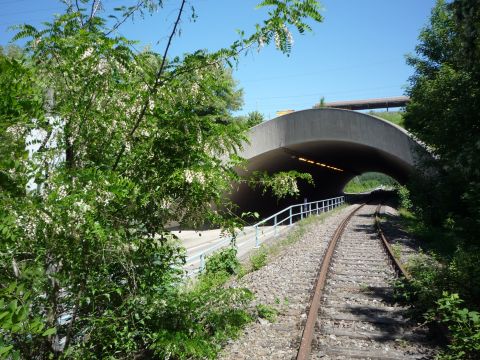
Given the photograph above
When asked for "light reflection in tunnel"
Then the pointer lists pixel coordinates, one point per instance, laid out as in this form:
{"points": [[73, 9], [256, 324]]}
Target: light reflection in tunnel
{"points": [[319, 164]]}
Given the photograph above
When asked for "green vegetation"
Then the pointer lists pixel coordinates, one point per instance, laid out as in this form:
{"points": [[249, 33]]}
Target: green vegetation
{"points": [[203, 315], [253, 118], [223, 261], [445, 193], [126, 142], [445, 268], [464, 327], [443, 113], [369, 181], [395, 117], [267, 312], [259, 258]]}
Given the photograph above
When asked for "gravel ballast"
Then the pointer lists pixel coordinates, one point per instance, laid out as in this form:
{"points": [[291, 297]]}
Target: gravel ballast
{"points": [[284, 284]]}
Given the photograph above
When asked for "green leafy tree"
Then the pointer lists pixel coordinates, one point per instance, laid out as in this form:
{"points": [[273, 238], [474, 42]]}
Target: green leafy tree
{"points": [[254, 118], [443, 113], [122, 143]]}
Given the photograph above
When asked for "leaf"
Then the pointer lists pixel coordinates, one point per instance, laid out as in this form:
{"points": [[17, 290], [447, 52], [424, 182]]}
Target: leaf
{"points": [[5, 349], [49, 332]]}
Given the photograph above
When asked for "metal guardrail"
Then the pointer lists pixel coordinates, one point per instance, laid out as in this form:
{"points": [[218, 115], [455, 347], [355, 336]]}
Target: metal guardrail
{"points": [[284, 217]]}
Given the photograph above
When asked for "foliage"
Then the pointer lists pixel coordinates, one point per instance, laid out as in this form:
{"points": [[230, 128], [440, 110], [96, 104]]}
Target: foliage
{"points": [[281, 184], [11, 51], [259, 258], [447, 266], [404, 197], [433, 273], [201, 318], [121, 144], [368, 181], [15, 305], [463, 325], [223, 261], [443, 113], [252, 119], [267, 312], [395, 117]]}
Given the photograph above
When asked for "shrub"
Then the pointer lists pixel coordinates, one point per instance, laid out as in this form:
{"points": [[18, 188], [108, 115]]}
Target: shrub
{"points": [[259, 259], [404, 197], [201, 318], [224, 261], [463, 326]]}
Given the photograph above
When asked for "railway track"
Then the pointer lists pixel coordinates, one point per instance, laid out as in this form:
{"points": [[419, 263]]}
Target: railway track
{"points": [[352, 313]]}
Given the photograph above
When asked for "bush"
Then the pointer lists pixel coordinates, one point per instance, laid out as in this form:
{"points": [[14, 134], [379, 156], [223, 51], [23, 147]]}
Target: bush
{"points": [[404, 197], [200, 319], [223, 261], [463, 326]]}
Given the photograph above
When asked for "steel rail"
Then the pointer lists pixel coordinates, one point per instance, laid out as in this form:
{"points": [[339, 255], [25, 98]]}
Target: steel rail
{"points": [[399, 269], [307, 335]]}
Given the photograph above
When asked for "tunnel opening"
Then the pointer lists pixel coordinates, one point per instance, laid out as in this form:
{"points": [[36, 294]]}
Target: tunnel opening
{"points": [[332, 164], [370, 181], [333, 145]]}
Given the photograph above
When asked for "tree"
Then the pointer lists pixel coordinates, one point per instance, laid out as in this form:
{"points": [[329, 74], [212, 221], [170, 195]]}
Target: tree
{"points": [[253, 118], [126, 143], [443, 112]]}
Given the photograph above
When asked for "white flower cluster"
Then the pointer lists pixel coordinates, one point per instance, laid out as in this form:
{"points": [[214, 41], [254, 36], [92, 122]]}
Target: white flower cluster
{"points": [[191, 176], [286, 33]]}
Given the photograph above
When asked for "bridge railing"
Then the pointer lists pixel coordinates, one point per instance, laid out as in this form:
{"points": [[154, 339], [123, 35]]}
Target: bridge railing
{"points": [[264, 229]]}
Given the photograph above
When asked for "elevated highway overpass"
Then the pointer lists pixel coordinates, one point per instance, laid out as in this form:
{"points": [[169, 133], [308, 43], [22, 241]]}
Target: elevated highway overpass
{"points": [[333, 145]]}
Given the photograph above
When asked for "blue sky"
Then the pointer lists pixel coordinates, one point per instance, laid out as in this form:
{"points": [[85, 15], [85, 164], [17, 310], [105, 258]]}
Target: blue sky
{"points": [[358, 51]]}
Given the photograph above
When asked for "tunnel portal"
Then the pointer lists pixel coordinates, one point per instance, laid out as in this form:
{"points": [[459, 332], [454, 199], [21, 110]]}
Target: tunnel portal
{"points": [[333, 145]]}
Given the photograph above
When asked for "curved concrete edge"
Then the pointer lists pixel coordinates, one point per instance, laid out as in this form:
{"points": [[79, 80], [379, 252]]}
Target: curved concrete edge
{"points": [[331, 125]]}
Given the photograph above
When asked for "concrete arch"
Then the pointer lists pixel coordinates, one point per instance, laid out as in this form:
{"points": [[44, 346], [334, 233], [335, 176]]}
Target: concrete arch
{"points": [[352, 141]]}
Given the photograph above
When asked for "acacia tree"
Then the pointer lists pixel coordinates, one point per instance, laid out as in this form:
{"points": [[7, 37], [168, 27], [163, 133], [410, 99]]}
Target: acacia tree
{"points": [[125, 142]]}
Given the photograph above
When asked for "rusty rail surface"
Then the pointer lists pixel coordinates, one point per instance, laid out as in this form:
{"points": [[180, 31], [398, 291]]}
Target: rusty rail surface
{"points": [[307, 335]]}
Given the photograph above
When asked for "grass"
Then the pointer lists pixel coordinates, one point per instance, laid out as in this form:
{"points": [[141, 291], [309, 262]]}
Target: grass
{"points": [[438, 241], [395, 117], [397, 251]]}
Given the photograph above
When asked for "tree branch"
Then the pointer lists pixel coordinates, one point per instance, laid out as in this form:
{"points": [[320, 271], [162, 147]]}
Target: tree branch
{"points": [[94, 9], [126, 17], [155, 86]]}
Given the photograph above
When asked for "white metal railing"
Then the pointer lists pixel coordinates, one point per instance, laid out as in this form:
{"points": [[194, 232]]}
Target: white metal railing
{"points": [[285, 217]]}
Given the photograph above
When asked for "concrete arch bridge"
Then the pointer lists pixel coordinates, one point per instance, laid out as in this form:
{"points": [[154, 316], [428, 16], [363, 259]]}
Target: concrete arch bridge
{"points": [[333, 145]]}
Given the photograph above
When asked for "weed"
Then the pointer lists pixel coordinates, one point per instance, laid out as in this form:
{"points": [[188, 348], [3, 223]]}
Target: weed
{"points": [[401, 343], [267, 312], [259, 258], [364, 287], [397, 251]]}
